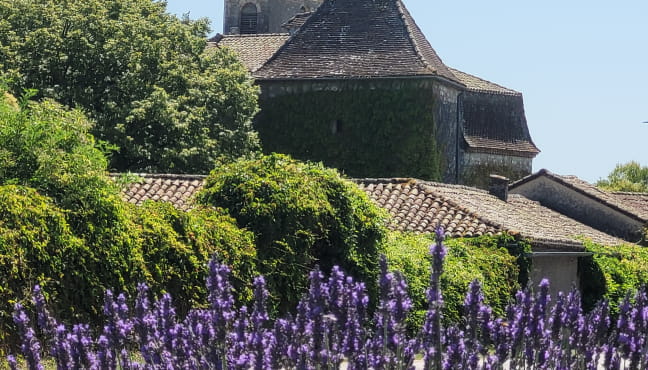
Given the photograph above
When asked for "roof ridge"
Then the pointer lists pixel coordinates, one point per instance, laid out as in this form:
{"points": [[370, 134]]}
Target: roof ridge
{"points": [[564, 180], [409, 23], [401, 10], [171, 176], [256, 35]]}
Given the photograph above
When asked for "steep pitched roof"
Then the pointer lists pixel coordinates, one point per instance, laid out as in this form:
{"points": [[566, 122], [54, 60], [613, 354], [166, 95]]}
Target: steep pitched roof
{"points": [[356, 39], [496, 123], [463, 211], [634, 205], [297, 21], [252, 50]]}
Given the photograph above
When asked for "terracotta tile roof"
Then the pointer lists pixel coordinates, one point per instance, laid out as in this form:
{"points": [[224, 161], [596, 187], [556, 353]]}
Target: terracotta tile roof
{"points": [[526, 217], [474, 83], [253, 50], [356, 39], [420, 206], [415, 208], [175, 189], [634, 205], [297, 21]]}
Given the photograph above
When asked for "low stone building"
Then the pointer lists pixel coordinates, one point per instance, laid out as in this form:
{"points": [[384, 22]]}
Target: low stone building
{"points": [[420, 206], [358, 87], [622, 214]]}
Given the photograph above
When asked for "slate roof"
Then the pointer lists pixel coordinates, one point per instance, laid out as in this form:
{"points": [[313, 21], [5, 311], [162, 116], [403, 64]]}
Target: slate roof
{"points": [[521, 147], [634, 205], [175, 189], [420, 206], [464, 211], [356, 39], [253, 50], [496, 123], [297, 21], [476, 84]]}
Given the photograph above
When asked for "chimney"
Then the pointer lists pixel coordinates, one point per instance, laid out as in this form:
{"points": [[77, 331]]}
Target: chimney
{"points": [[498, 187]]}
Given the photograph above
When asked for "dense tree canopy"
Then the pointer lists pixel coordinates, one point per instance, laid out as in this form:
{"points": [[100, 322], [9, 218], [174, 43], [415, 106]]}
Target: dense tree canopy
{"points": [[626, 177], [143, 75]]}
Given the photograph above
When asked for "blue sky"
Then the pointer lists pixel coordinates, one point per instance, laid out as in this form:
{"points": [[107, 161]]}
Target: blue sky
{"points": [[581, 65]]}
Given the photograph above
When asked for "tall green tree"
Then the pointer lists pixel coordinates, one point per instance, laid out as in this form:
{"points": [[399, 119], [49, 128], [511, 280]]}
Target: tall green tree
{"points": [[146, 77], [630, 176]]}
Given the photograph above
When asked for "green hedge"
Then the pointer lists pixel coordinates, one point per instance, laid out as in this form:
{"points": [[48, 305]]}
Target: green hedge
{"points": [[177, 246], [37, 246], [302, 215], [612, 272], [483, 258]]}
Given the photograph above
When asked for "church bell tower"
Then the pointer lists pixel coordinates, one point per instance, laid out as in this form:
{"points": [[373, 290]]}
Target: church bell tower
{"points": [[262, 16]]}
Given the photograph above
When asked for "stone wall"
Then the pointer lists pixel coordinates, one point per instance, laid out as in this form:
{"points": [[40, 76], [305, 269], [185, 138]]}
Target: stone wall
{"points": [[364, 127], [271, 14], [476, 167], [448, 133], [562, 272], [581, 208]]}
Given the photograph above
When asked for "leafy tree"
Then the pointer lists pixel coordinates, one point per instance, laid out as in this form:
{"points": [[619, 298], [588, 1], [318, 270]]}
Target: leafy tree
{"points": [[302, 214], [145, 77], [626, 177]]}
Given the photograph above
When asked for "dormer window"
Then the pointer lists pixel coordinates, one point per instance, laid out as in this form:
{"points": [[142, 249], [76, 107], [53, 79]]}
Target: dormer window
{"points": [[249, 19]]}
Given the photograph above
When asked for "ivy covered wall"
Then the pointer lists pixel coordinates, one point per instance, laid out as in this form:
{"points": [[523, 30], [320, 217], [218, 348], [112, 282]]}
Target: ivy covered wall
{"points": [[365, 128]]}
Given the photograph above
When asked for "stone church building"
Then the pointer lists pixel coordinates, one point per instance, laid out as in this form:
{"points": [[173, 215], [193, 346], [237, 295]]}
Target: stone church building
{"points": [[355, 84]]}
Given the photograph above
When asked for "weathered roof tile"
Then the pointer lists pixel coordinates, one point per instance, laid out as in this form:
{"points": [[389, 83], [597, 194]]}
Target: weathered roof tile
{"points": [[421, 206], [356, 39], [252, 50]]}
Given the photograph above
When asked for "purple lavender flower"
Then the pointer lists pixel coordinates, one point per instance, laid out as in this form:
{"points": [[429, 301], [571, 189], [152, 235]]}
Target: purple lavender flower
{"points": [[11, 360], [455, 350], [81, 343], [30, 345], [431, 335], [45, 321], [261, 338]]}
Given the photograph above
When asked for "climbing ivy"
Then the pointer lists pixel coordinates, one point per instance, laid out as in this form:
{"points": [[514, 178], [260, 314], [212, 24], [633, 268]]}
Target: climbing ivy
{"points": [[356, 129]]}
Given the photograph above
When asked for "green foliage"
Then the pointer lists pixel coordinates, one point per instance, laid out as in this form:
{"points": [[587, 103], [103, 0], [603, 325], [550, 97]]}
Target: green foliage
{"points": [[177, 245], [357, 129], [64, 225], [143, 75], [481, 258], [626, 177], [612, 272], [302, 214], [36, 247]]}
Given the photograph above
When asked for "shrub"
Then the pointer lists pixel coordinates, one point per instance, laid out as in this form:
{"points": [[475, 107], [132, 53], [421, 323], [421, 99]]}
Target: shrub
{"points": [[467, 260], [37, 246], [302, 214], [611, 272], [177, 245]]}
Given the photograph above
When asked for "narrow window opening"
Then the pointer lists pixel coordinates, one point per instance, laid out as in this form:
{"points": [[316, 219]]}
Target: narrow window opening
{"points": [[249, 19], [336, 127]]}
